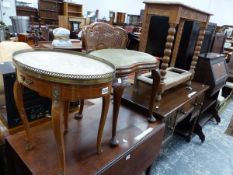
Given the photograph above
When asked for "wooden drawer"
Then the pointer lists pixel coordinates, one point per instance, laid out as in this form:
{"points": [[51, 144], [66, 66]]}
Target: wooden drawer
{"points": [[184, 111]]}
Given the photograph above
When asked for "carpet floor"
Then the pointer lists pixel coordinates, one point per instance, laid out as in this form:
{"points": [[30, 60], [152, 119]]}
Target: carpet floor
{"points": [[213, 157]]}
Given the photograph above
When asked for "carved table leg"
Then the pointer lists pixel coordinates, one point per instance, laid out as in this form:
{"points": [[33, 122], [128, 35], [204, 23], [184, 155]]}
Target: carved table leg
{"points": [[199, 132], [66, 115], [79, 115], [57, 112], [18, 95], [155, 86], [105, 106], [117, 94]]}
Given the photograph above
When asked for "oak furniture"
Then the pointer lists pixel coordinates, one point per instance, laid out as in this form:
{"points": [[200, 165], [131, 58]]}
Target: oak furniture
{"points": [[178, 104], [120, 18], [172, 17], [49, 10], [62, 77], [102, 37], [211, 70], [132, 156], [73, 10]]}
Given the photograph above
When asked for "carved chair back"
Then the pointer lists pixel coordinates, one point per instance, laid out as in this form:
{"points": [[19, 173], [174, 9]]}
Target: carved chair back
{"points": [[101, 35]]}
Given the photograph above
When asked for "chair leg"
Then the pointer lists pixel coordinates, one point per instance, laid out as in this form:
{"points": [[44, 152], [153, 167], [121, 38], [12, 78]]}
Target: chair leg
{"points": [[79, 115]]}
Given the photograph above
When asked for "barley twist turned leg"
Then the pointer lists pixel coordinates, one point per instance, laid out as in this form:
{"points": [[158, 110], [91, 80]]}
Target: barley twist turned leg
{"points": [[196, 53], [197, 50], [166, 57]]}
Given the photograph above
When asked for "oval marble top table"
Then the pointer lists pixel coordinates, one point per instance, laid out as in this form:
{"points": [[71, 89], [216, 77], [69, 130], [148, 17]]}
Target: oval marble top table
{"points": [[64, 67], [63, 77]]}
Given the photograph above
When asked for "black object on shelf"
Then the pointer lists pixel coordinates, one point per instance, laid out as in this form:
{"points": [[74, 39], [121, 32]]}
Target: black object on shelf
{"points": [[208, 38], [36, 106], [187, 45]]}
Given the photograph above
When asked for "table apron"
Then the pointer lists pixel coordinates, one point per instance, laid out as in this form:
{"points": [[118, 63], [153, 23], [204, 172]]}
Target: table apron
{"points": [[67, 92]]}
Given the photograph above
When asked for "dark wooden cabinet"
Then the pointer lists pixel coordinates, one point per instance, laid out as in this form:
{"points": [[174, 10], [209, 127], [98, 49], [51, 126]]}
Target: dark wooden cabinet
{"points": [[49, 11], [28, 11], [211, 70]]}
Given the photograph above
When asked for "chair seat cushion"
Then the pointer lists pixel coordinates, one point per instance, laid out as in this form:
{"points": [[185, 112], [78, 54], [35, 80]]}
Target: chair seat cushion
{"points": [[124, 58]]}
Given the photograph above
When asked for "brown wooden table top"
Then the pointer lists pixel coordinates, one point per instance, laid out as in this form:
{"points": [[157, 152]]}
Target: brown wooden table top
{"points": [[80, 141], [171, 101], [76, 45]]}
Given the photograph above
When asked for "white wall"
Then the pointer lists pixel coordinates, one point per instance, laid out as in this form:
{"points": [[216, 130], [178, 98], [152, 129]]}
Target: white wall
{"points": [[222, 9], [7, 9]]}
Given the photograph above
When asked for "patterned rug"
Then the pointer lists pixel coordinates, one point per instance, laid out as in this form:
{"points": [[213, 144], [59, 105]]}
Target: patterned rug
{"points": [[213, 157]]}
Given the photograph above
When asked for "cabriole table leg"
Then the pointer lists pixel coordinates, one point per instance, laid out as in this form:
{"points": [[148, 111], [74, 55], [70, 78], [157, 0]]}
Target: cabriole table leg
{"points": [[66, 115], [57, 112], [105, 105], [117, 94], [18, 95]]}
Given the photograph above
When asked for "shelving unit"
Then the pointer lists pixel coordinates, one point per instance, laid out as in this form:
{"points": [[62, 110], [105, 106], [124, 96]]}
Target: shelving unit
{"points": [[28, 11], [73, 10], [49, 11]]}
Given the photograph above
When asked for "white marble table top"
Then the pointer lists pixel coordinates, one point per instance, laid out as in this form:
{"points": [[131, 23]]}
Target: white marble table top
{"points": [[66, 65], [123, 57]]}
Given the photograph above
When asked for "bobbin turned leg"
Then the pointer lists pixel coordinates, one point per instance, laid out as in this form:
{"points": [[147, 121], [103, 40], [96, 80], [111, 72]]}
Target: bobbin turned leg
{"points": [[105, 106], [196, 53], [57, 112], [166, 57], [18, 96], [197, 48]]}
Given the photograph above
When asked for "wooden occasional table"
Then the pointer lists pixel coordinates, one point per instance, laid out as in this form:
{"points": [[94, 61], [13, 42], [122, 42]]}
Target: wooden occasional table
{"points": [[127, 62], [177, 14], [62, 77]]}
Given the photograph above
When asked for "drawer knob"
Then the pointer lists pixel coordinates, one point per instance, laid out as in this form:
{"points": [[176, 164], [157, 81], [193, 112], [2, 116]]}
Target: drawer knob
{"points": [[26, 81], [182, 112]]}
